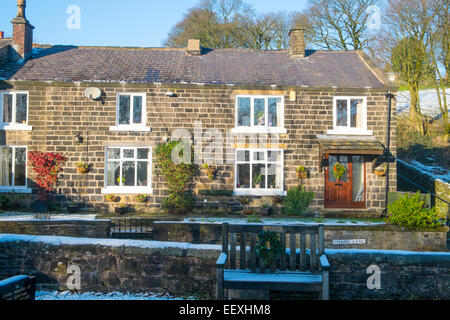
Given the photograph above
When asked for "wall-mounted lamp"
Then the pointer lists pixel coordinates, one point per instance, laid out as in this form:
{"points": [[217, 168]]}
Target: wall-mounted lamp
{"points": [[79, 138]]}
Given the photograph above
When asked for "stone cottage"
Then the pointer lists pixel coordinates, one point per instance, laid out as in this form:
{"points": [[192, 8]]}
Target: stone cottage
{"points": [[271, 111]]}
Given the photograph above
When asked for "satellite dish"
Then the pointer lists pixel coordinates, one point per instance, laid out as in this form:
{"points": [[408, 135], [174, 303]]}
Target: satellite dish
{"points": [[92, 93]]}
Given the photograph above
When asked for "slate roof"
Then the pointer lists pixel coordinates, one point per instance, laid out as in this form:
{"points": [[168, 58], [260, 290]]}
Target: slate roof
{"points": [[222, 66]]}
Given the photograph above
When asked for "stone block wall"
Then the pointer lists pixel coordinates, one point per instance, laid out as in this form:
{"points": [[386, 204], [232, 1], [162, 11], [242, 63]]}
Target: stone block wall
{"points": [[85, 229], [188, 269], [59, 111], [403, 275]]}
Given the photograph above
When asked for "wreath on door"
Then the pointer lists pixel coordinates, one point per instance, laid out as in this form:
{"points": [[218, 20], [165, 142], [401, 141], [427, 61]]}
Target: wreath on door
{"points": [[269, 246], [339, 171]]}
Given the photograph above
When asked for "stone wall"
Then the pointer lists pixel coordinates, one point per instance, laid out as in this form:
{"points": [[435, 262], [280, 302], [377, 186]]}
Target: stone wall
{"points": [[181, 269], [382, 237], [59, 111], [404, 275], [72, 228], [439, 188], [443, 191]]}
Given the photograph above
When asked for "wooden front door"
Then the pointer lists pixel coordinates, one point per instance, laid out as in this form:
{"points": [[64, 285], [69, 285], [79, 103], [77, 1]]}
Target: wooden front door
{"points": [[348, 191]]}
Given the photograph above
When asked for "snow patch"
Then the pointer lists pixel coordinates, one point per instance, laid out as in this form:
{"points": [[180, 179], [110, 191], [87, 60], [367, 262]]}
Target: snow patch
{"points": [[57, 241], [390, 252], [18, 216], [91, 296], [269, 221], [429, 103], [435, 172]]}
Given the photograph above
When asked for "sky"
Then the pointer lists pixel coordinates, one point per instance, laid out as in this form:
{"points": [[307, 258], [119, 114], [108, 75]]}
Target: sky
{"points": [[139, 23]]}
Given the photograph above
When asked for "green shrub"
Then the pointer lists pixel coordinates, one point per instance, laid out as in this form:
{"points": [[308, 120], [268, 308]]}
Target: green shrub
{"points": [[411, 213], [5, 203], [179, 202], [297, 201]]}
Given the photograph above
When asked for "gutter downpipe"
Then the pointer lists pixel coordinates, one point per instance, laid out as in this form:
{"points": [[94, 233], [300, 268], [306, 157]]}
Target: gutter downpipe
{"points": [[390, 96]]}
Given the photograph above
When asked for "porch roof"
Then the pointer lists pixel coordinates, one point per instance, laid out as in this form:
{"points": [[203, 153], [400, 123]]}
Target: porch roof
{"points": [[350, 145]]}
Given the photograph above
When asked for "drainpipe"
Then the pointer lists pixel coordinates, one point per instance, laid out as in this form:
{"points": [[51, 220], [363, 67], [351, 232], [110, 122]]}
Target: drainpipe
{"points": [[390, 96]]}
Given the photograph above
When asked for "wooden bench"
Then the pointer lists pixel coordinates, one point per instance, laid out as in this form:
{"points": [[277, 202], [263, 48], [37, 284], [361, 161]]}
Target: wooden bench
{"points": [[18, 288], [296, 270]]}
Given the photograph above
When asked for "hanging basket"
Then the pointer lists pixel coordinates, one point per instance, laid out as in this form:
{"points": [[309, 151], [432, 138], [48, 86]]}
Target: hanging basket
{"points": [[381, 171]]}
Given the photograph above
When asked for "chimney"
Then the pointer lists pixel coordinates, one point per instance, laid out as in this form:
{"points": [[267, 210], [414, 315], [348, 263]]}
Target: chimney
{"points": [[297, 43], [194, 48], [22, 32]]}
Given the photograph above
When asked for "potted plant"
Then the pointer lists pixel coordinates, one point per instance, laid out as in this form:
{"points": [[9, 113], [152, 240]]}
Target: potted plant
{"points": [[113, 198], [381, 170], [210, 171], [259, 116], [82, 167], [72, 207], [244, 201], [122, 209], [265, 210], [141, 198], [302, 172], [278, 199], [257, 181], [339, 171]]}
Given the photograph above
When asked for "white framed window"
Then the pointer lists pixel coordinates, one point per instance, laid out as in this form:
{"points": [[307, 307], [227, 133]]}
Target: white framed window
{"points": [[350, 116], [131, 112], [14, 110], [259, 114], [128, 170], [13, 170], [259, 172]]}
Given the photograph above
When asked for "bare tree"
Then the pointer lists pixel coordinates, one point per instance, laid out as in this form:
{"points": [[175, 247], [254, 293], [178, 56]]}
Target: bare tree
{"points": [[339, 24]]}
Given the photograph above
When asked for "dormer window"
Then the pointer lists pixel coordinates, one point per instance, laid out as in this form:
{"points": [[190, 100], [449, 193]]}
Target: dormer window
{"points": [[131, 112], [14, 111], [350, 116], [259, 114]]}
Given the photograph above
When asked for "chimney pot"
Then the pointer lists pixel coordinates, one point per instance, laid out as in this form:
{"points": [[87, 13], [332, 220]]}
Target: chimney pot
{"points": [[194, 48], [297, 43]]}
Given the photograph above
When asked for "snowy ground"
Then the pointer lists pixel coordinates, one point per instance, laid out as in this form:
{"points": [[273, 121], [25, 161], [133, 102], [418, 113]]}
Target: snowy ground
{"points": [[55, 295], [428, 102], [21, 216], [288, 221]]}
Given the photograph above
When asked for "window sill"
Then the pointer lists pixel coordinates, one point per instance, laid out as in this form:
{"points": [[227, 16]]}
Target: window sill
{"points": [[130, 128], [357, 132], [127, 190], [21, 190], [259, 130], [16, 127], [259, 192]]}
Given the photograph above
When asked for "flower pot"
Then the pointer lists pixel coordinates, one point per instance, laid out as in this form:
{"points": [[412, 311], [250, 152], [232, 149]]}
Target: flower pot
{"points": [[121, 210], [82, 170], [302, 175], [210, 172], [380, 173], [72, 209]]}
